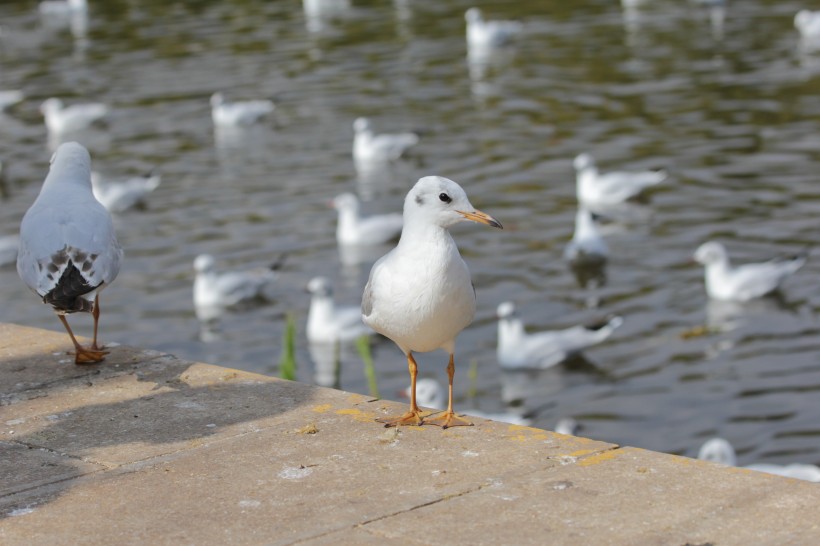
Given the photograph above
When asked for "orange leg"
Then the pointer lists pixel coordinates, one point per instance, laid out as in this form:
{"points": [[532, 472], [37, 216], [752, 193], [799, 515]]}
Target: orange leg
{"points": [[96, 314], [449, 418], [412, 417], [82, 355]]}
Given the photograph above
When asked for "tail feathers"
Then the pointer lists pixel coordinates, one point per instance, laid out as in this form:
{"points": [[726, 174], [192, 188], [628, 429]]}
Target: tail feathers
{"points": [[67, 294]]}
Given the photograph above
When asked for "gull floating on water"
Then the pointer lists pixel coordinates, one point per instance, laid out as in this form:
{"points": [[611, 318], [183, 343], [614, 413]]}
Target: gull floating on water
{"points": [[121, 196], [10, 97], [63, 7], [372, 148], [611, 188], [420, 294], [354, 229], [214, 292], [518, 349], [68, 249], [719, 450], [744, 282], [808, 24], [487, 34], [238, 113], [587, 245], [63, 119], [430, 394], [328, 322]]}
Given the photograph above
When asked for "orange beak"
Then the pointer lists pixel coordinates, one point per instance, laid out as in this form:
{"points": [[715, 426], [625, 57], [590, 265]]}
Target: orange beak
{"points": [[481, 218]]}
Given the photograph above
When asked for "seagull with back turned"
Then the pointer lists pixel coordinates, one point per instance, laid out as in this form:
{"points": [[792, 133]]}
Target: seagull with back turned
{"points": [[420, 294], [68, 249]]}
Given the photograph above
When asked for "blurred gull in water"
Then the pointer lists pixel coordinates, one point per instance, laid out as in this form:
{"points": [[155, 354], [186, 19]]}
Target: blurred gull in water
{"points": [[118, 196], [719, 450], [430, 394], [568, 426], [611, 188], [329, 323], [215, 292], [63, 7], [808, 24], [587, 246], [319, 12], [354, 229], [247, 112], [518, 349], [487, 34], [369, 147], [744, 282], [62, 119], [10, 98]]}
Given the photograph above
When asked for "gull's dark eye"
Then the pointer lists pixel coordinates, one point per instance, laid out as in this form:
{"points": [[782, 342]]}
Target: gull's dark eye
{"points": [[444, 197]]}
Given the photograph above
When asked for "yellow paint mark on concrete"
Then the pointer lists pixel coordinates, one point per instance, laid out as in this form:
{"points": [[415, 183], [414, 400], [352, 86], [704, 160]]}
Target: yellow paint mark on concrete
{"points": [[358, 415], [524, 434], [599, 458], [322, 408]]}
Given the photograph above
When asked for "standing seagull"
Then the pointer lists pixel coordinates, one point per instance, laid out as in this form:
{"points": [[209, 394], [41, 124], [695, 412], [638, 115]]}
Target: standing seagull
{"points": [[68, 249], [420, 294]]}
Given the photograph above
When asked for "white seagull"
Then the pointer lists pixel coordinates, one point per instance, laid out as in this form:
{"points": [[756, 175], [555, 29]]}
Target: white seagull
{"points": [[518, 349], [230, 114], [372, 148], [487, 34], [744, 282], [68, 249], [719, 450], [808, 24], [354, 229], [63, 7], [10, 98], [118, 196], [214, 292], [328, 322], [587, 246], [420, 294], [611, 188], [63, 119], [430, 394]]}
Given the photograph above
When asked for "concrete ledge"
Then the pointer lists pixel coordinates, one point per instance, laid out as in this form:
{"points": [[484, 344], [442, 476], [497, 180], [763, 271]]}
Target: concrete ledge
{"points": [[146, 448]]}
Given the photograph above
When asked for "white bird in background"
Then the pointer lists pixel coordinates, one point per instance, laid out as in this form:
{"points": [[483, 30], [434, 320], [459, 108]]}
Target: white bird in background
{"points": [[518, 349], [587, 245], [231, 114], [328, 322], [744, 282], [63, 7], [808, 24], [372, 148], [214, 292], [8, 249], [63, 119], [354, 229], [420, 294], [10, 98], [68, 249], [719, 450], [568, 426], [488, 34], [611, 188], [430, 394], [119, 196]]}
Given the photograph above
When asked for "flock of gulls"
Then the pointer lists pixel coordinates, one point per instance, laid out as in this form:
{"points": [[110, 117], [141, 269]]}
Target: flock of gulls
{"points": [[419, 294]]}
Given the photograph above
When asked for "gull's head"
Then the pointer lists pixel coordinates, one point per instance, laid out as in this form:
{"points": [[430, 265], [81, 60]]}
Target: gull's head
{"points": [[505, 310], [472, 15], [346, 201], [710, 253], [361, 125], [801, 18], [71, 160], [440, 201], [583, 161], [320, 286], [217, 99], [204, 263], [51, 105], [718, 450]]}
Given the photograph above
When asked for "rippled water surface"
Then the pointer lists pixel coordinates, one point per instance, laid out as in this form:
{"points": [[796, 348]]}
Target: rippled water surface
{"points": [[731, 111]]}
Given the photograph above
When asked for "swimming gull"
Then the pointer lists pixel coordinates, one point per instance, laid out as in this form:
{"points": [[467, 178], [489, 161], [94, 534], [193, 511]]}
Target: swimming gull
{"points": [[62, 119], [719, 450], [328, 322], [68, 249], [587, 245], [420, 294], [214, 291], [119, 196], [744, 282], [487, 34], [230, 114], [808, 24], [369, 147], [518, 349], [430, 394], [355, 229], [610, 188]]}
